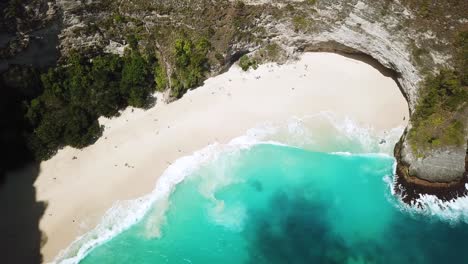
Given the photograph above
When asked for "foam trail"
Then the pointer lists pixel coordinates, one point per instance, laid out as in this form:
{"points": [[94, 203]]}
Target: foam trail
{"points": [[124, 214], [347, 133], [453, 211]]}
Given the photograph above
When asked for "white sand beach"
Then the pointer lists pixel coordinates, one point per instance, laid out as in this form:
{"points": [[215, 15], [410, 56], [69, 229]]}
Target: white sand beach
{"points": [[136, 147]]}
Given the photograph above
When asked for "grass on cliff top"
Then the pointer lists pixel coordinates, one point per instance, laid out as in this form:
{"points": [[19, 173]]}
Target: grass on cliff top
{"points": [[440, 117]]}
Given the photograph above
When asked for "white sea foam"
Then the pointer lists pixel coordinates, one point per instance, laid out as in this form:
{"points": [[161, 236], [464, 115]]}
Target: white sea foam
{"points": [[342, 153], [124, 214], [328, 133], [232, 218], [453, 211], [372, 155]]}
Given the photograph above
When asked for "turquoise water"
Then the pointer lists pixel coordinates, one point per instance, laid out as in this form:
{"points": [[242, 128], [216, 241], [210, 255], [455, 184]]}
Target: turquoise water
{"points": [[279, 204]]}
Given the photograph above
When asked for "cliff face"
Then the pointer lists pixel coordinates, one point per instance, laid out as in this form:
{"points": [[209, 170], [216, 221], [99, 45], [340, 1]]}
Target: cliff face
{"points": [[388, 36], [411, 38]]}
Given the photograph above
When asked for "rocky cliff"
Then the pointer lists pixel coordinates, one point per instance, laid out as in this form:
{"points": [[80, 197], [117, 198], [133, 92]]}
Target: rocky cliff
{"points": [[411, 39]]}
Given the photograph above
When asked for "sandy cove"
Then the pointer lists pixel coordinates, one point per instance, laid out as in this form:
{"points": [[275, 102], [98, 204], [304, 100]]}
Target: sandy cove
{"points": [[136, 147]]}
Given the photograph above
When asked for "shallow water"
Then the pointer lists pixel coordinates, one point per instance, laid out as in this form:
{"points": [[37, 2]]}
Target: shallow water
{"points": [[278, 204]]}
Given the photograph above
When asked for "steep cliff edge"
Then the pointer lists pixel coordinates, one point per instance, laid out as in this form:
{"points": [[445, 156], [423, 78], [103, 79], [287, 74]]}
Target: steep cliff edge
{"points": [[438, 170], [444, 173], [411, 39]]}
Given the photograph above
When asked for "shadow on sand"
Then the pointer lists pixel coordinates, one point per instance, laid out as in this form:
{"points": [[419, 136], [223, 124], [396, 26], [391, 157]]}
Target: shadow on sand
{"points": [[20, 239], [19, 222]]}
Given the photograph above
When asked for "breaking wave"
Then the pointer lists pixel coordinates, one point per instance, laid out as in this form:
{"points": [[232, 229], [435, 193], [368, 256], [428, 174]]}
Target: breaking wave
{"points": [[322, 132]]}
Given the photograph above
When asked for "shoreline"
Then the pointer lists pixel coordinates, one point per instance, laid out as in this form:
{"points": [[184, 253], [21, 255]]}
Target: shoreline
{"points": [[137, 147]]}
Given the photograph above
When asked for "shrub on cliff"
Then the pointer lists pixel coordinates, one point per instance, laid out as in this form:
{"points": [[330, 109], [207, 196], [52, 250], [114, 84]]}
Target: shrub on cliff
{"points": [[245, 63], [136, 83], [437, 120], [191, 64], [300, 23], [76, 93], [160, 77]]}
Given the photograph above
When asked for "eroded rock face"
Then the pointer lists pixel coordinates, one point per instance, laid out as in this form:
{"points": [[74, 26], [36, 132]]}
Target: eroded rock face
{"points": [[354, 26], [448, 187], [17, 28], [361, 29], [442, 166]]}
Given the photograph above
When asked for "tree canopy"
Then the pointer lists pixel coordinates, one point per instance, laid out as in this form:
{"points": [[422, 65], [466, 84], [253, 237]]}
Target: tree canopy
{"points": [[191, 64], [78, 92], [61, 106]]}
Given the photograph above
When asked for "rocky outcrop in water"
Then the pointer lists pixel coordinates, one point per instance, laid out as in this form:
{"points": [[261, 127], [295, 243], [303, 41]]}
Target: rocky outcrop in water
{"points": [[362, 29]]}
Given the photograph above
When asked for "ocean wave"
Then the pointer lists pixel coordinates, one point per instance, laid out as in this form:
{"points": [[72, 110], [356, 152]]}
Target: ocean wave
{"points": [[124, 214], [326, 132], [370, 155], [453, 211], [297, 133]]}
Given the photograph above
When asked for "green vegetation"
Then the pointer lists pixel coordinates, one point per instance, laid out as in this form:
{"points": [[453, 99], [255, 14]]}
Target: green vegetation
{"points": [[239, 4], [160, 77], [80, 91], [19, 84], [118, 18], [424, 8], [61, 106], [132, 41], [271, 52], [437, 120], [13, 9], [245, 63], [461, 58], [191, 65], [300, 23], [88, 87], [137, 80], [418, 54]]}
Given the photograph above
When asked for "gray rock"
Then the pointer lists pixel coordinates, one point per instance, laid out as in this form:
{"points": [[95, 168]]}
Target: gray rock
{"points": [[447, 165]]}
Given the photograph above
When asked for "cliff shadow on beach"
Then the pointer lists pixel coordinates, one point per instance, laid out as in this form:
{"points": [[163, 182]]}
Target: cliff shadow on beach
{"points": [[21, 212], [20, 239]]}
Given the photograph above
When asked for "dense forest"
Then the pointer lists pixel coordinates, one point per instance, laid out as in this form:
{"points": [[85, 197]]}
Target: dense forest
{"points": [[60, 106]]}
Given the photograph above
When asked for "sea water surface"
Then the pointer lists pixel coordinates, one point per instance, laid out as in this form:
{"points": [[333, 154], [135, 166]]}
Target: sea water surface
{"points": [[274, 203]]}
